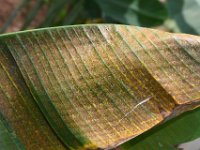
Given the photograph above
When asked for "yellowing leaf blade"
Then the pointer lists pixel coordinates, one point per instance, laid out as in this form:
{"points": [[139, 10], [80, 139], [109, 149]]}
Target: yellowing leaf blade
{"points": [[100, 85]]}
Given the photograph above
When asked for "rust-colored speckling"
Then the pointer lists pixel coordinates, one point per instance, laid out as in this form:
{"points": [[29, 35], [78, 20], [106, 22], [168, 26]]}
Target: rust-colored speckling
{"points": [[100, 85]]}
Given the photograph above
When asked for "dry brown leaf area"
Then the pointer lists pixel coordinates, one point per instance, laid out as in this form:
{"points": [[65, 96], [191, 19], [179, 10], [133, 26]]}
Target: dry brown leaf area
{"points": [[7, 8], [108, 82]]}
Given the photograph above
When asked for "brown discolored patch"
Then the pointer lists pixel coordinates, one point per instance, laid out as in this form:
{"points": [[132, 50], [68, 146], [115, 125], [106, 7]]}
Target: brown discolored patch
{"points": [[9, 6], [95, 75]]}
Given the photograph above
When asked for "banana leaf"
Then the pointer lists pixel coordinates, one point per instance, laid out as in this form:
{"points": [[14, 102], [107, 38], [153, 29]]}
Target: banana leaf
{"points": [[93, 86]]}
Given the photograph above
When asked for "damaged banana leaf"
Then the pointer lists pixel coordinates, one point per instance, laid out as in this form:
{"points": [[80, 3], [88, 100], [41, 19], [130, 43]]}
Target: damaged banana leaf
{"points": [[93, 86]]}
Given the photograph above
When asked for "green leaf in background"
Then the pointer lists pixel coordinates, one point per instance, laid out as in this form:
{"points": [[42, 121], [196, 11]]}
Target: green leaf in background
{"points": [[168, 135], [42, 13], [135, 12], [186, 14]]}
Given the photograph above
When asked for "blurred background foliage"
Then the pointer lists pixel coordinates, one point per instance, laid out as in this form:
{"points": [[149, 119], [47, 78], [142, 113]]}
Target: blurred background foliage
{"points": [[168, 15]]}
